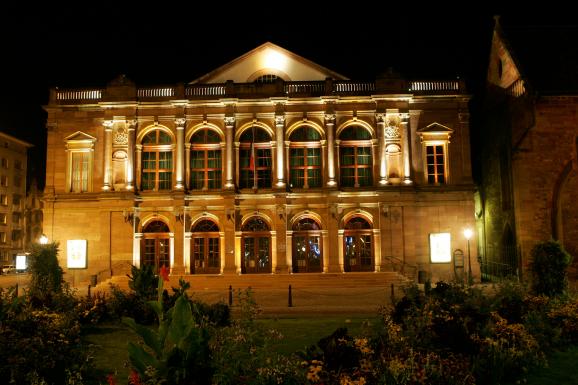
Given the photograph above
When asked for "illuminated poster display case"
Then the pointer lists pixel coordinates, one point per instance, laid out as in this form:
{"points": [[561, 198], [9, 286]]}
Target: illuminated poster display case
{"points": [[76, 254], [440, 247]]}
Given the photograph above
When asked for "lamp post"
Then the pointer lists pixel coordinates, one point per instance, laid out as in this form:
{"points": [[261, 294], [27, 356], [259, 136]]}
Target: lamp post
{"points": [[43, 239], [468, 234]]}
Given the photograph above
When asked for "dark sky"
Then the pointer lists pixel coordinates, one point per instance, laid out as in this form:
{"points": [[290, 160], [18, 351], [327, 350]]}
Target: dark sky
{"points": [[90, 43]]}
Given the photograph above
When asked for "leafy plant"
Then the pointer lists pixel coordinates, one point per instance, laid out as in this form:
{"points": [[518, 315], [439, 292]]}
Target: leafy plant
{"points": [[143, 281], [46, 275], [549, 262]]}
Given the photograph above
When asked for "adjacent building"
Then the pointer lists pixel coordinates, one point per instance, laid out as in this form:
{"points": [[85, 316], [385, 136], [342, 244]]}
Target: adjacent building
{"points": [[270, 164], [528, 146], [13, 161]]}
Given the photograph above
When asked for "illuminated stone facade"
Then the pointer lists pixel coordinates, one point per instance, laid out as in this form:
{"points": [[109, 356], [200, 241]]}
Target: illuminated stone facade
{"points": [[528, 148], [268, 164]]}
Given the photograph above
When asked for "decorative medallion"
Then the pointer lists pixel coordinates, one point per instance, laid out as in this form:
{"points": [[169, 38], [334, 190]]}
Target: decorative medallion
{"points": [[120, 136]]}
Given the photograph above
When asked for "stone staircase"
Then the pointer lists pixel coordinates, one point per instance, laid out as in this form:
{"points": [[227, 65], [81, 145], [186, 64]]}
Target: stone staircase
{"points": [[314, 293]]}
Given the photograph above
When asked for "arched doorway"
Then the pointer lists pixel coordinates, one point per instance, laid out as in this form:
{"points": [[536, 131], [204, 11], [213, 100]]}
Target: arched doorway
{"points": [[205, 256], [307, 250], [358, 245], [156, 249], [256, 247]]}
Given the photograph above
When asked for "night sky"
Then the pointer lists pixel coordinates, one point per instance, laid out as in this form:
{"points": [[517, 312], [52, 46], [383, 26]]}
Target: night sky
{"points": [[88, 44]]}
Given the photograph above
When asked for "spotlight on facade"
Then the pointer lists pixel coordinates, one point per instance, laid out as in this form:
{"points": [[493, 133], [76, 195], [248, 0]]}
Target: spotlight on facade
{"points": [[43, 239]]}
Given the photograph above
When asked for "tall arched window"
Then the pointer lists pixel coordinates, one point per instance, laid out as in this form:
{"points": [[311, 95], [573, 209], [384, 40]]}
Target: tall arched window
{"points": [[255, 159], [157, 161], [307, 250], [256, 247], [355, 159], [305, 158], [206, 162], [358, 245], [156, 249], [205, 258]]}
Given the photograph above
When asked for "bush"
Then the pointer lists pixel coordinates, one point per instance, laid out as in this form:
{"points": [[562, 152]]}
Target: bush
{"points": [[548, 265], [46, 275]]}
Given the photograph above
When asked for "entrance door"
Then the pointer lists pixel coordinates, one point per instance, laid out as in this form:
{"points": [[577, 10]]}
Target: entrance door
{"points": [[256, 247], [205, 258], [307, 256], [156, 250], [358, 245]]}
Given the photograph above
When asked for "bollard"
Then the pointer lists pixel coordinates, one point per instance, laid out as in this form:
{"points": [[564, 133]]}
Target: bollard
{"points": [[88, 291], [230, 295], [290, 299]]}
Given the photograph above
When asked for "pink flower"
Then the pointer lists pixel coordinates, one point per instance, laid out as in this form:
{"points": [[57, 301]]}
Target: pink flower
{"points": [[164, 273], [134, 378], [110, 379]]}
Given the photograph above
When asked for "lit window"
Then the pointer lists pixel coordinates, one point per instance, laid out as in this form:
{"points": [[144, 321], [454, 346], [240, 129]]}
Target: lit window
{"points": [[80, 171], [268, 78], [2, 237], [206, 166], [80, 162], [157, 161], [435, 162], [3, 199], [2, 219], [355, 157], [255, 159], [305, 158]]}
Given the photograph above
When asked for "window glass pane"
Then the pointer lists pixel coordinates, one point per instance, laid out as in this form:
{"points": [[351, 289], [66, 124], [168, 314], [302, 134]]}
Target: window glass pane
{"points": [[355, 133], [164, 138], [165, 180], [197, 180], [314, 176], [214, 179]]}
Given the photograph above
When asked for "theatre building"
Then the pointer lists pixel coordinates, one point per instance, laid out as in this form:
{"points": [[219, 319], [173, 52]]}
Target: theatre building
{"points": [[270, 164]]}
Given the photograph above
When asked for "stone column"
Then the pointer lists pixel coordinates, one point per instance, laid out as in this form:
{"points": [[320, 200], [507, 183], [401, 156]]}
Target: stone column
{"points": [[380, 119], [138, 165], [330, 130], [229, 155], [406, 148], [180, 123], [280, 144], [130, 125], [107, 169], [188, 166]]}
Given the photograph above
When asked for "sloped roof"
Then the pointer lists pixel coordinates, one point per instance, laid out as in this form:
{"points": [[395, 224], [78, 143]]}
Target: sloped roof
{"points": [[546, 56], [297, 68]]}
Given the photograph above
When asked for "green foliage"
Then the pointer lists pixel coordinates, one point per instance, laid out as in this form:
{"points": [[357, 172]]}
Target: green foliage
{"points": [[46, 275], [177, 353], [143, 282], [549, 262]]}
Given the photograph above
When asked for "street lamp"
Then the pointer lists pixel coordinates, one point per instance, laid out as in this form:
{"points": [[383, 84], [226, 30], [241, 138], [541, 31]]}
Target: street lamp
{"points": [[43, 239], [468, 234]]}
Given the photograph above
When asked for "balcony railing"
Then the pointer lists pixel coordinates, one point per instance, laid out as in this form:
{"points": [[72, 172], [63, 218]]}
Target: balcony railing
{"points": [[516, 89], [252, 90]]}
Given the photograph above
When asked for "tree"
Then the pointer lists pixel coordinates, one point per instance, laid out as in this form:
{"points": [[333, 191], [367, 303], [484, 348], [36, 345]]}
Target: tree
{"points": [[549, 263], [46, 275]]}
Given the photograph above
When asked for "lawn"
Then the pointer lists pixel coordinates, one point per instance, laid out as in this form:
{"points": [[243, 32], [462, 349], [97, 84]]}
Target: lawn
{"points": [[109, 341], [561, 369]]}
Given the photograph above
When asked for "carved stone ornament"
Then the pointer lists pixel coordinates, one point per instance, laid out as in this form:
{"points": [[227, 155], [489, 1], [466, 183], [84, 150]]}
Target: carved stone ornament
{"points": [[391, 132], [330, 118], [279, 120], [229, 120], [380, 118], [180, 122], [120, 136], [108, 123]]}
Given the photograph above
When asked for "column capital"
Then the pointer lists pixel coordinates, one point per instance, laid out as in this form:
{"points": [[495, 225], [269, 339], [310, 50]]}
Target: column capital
{"points": [[380, 117], [329, 118], [180, 122], [229, 121], [108, 124], [131, 123], [279, 120]]}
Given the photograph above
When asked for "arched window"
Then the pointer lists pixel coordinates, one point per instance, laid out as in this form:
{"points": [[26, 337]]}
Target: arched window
{"points": [[255, 159], [358, 245], [307, 250], [157, 161], [156, 248], [206, 166], [305, 158], [267, 78], [256, 247], [205, 258], [355, 159]]}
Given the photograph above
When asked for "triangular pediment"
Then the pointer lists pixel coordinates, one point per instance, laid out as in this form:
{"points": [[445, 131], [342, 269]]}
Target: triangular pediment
{"points": [[80, 136], [435, 128], [268, 59]]}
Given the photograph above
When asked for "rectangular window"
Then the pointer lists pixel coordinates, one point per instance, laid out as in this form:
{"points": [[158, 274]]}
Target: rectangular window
{"points": [[3, 199], [4, 181], [2, 237], [4, 163], [16, 198], [2, 219], [17, 181], [435, 163], [15, 219], [18, 164], [80, 172], [16, 235]]}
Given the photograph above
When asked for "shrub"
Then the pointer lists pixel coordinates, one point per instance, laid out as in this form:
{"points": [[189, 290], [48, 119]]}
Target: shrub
{"points": [[548, 265], [46, 275], [143, 282]]}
